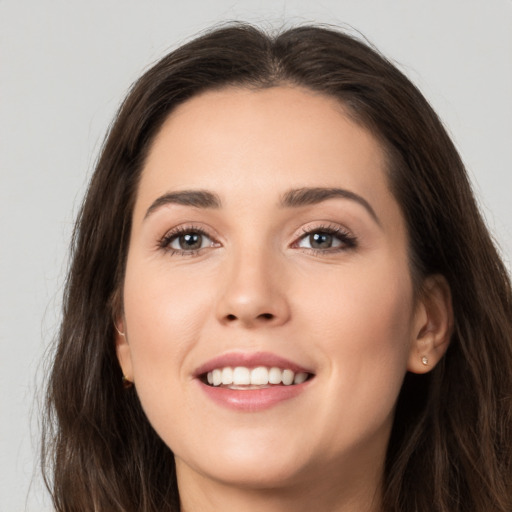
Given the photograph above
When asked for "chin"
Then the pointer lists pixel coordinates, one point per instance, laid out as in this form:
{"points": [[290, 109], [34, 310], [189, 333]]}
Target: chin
{"points": [[251, 466]]}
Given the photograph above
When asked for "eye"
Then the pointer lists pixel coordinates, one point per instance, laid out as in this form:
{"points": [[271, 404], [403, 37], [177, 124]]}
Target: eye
{"points": [[327, 239], [186, 241]]}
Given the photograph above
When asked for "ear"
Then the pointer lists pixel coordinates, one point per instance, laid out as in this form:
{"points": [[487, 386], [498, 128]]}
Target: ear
{"points": [[123, 351], [433, 324]]}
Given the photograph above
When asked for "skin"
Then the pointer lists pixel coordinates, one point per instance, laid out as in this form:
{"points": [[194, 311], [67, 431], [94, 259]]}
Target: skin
{"points": [[347, 313]]}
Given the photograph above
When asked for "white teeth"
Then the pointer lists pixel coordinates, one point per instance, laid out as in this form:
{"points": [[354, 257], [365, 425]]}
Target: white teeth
{"points": [[275, 376], [300, 378], [288, 376], [217, 377], [259, 376], [227, 375], [241, 376]]}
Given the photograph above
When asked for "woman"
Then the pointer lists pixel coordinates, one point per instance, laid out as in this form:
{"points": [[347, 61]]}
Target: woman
{"points": [[282, 296]]}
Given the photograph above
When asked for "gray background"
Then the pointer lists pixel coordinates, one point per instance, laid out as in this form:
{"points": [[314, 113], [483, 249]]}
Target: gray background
{"points": [[65, 66]]}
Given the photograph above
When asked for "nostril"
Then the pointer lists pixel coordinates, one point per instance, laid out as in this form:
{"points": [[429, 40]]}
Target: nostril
{"points": [[263, 316]]}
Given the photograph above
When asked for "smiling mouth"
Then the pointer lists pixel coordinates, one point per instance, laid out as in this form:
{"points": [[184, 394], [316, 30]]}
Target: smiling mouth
{"points": [[244, 378]]}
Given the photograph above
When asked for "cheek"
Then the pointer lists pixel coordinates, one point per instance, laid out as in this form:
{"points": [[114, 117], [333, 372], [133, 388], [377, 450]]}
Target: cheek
{"points": [[363, 331], [361, 308], [165, 314]]}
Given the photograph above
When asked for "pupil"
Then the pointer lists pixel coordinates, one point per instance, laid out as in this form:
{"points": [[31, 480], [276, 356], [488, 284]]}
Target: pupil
{"points": [[321, 240], [191, 241]]}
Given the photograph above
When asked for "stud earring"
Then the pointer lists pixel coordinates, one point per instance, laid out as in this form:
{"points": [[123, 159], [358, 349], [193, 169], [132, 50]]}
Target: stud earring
{"points": [[127, 384], [424, 360]]}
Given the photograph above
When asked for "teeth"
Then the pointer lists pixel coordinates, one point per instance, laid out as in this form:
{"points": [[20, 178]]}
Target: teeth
{"points": [[300, 378], [288, 376], [217, 377], [227, 375], [259, 376], [275, 376], [241, 376]]}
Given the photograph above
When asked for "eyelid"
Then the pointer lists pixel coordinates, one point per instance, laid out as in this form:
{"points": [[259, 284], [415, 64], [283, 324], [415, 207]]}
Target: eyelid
{"points": [[348, 239], [164, 242], [345, 236]]}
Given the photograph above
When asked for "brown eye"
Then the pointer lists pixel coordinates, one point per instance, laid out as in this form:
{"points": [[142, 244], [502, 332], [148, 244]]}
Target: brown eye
{"points": [[320, 240], [187, 241], [327, 240]]}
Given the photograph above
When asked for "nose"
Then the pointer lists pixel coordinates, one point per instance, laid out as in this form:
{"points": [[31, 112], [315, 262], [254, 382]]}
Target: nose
{"points": [[254, 292]]}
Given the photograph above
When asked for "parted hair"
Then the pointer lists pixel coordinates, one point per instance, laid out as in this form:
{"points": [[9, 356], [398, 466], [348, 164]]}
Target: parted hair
{"points": [[451, 445]]}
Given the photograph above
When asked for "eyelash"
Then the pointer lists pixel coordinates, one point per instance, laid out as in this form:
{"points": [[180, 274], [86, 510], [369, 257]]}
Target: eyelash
{"points": [[348, 241], [172, 235]]}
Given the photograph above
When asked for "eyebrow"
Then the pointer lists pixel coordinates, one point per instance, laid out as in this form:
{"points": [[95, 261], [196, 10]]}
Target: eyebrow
{"points": [[294, 198], [195, 198], [307, 196]]}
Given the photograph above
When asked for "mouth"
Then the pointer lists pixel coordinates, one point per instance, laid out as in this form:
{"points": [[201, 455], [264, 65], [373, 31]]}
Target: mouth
{"points": [[260, 377], [250, 382]]}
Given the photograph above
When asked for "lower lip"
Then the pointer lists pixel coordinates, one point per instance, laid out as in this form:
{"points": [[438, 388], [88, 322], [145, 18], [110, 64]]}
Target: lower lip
{"points": [[251, 400]]}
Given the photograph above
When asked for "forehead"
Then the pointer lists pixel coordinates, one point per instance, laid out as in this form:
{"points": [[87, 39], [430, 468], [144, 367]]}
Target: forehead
{"points": [[270, 140]]}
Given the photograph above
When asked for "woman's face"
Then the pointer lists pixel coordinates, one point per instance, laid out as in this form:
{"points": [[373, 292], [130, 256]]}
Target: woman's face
{"points": [[265, 238]]}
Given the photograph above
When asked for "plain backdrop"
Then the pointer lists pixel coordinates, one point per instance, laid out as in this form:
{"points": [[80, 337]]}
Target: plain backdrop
{"points": [[64, 68]]}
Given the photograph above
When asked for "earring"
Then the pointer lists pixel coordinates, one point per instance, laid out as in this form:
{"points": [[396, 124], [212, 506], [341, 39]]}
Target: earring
{"points": [[424, 360], [118, 331], [127, 384]]}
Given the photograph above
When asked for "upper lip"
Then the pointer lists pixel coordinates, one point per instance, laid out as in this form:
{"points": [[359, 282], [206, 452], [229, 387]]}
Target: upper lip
{"points": [[249, 360]]}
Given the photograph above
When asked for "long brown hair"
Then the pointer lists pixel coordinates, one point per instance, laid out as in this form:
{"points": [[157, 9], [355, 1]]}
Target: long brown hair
{"points": [[451, 444]]}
